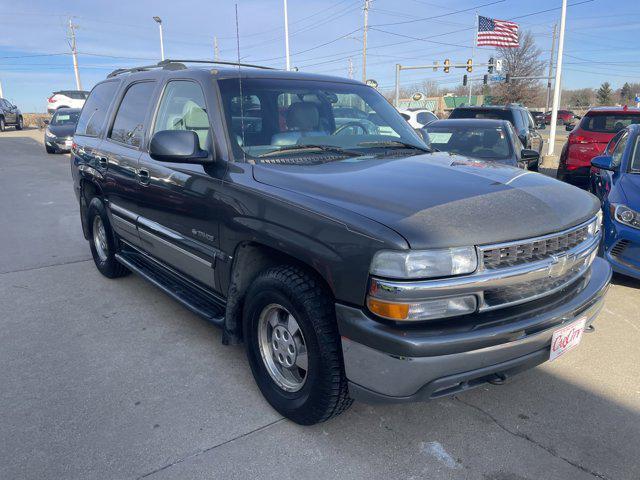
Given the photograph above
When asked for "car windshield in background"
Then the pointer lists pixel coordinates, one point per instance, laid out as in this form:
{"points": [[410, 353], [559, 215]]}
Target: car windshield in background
{"points": [[489, 113], [486, 143], [608, 123], [63, 118], [280, 115]]}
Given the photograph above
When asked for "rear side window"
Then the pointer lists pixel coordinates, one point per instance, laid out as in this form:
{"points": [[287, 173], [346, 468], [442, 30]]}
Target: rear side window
{"points": [[128, 126], [608, 123], [95, 110], [619, 150]]}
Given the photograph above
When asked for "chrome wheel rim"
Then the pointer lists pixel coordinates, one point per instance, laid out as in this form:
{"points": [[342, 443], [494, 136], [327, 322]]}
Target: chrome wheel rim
{"points": [[100, 238], [282, 347]]}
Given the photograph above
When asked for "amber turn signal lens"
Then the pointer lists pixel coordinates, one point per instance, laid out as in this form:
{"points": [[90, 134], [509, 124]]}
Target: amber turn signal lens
{"points": [[394, 311]]}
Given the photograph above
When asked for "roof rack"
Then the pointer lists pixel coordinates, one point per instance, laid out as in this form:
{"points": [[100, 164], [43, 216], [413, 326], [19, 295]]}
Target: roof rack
{"points": [[180, 65]]}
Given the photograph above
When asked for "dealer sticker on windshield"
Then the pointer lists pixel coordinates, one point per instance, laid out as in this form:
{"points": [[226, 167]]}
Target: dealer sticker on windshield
{"points": [[566, 338]]}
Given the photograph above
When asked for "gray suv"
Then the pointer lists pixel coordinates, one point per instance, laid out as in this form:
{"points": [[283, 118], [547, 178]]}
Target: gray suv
{"points": [[350, 260], [10, 115]]}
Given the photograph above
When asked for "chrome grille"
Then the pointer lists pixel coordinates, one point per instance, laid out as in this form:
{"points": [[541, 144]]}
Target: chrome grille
{"points": [[527, 251]]}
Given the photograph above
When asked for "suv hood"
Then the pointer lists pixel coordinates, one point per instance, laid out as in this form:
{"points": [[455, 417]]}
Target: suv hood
{"points": [[440, 200]]}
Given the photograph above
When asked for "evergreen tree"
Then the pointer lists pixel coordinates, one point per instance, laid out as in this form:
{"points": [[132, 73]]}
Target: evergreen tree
{"points": [[604, 94]]}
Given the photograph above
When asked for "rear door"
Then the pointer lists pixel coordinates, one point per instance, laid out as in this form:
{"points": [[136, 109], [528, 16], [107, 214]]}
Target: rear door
{"points": [[9, 112], [120, 153], [180, 206]]}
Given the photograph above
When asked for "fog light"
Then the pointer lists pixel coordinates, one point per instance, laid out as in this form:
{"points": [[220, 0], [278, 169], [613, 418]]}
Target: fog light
{"points": [[423, 310]]}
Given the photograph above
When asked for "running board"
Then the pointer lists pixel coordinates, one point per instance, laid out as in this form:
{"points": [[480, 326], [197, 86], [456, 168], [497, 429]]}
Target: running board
{"points": [[191, 296]]}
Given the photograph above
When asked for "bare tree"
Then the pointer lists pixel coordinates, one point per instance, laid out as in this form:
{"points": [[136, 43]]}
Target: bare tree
{"points": [[523, 61]]}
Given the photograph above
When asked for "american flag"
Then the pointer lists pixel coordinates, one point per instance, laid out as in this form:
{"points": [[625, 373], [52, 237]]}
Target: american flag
{"points": [[497, 33]]}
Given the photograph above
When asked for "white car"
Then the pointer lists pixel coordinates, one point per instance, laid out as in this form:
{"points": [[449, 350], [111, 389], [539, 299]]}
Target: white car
{"points": [[418, 117], [66, 99]]}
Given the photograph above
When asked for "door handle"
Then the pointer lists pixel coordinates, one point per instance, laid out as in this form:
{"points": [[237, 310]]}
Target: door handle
{"points": [[143, 176], [103, 162]]}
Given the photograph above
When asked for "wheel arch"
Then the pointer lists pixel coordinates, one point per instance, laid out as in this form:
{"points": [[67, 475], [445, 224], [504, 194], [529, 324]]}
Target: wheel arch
{"points": [[249, 259], [88, 190]]}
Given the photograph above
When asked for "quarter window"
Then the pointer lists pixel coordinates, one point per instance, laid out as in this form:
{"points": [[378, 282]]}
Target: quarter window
{"points": [[128, 126], [94, 113], [183, 108], [619, 150]]}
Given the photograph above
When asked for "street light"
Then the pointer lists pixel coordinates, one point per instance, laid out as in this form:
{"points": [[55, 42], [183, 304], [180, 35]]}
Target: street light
{"points": [[159, 22]]}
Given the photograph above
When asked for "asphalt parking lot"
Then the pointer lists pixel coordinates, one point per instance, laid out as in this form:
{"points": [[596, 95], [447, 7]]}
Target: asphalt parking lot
{"points": [[111, 379]]}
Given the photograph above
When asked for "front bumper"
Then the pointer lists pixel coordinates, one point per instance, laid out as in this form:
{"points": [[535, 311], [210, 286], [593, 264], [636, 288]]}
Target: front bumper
{"points": [[389, 364], [58, 143], [622, 248]]}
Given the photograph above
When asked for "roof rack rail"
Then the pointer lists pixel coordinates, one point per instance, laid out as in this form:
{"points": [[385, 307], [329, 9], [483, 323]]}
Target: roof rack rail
{"points": [[215, 62], [180, 65]]}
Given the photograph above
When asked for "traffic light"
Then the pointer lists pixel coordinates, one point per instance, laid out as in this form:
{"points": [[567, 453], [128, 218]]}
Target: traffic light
{"points": [[470, 65], [464, 80], [447, 62], [507, 78], [491, 65], [485, 79]]}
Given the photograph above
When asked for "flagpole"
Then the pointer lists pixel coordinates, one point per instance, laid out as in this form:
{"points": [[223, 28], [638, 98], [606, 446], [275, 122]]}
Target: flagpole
{"points": [[473, 52]]}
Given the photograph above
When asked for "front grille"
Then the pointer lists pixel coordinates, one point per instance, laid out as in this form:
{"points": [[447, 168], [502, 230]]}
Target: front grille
{"points": [[513, 294], [527, 251], [619, 248]]}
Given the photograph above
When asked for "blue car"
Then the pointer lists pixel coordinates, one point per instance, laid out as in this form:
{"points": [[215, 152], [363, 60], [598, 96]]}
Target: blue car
{"points": [[615, 179]]}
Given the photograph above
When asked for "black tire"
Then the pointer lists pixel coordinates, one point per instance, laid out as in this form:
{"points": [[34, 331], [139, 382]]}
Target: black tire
{"points": [[49, 149], [20, 124], [2, 124], [324, 393], [535, 167], [106, 262]]}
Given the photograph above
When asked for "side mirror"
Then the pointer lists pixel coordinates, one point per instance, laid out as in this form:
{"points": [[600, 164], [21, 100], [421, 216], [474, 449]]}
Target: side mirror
{"points": [[528, 154], [46, 121], [604, 162], [177, 146]]}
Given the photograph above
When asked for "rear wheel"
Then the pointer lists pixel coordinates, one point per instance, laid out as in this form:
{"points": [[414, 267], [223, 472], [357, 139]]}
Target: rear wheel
{"points": [[293, 345], [103, 242], [2, 124]]}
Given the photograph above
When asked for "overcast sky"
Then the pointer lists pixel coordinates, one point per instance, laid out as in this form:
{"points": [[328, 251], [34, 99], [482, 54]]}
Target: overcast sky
{"points": [[324, 34]]}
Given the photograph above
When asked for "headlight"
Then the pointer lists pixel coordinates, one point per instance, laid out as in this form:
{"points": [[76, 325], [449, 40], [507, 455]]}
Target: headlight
{"points": [[48, 134], [595, 226], [626, 216], [442, 262]]}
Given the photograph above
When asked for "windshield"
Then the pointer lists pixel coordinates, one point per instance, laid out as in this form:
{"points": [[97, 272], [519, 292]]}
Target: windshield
{"points": [[274, 115], [488, 143], [65, 118]]}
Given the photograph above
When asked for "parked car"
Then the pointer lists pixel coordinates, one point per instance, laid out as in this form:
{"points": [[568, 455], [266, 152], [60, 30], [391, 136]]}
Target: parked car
{"points": [[66, 99], [10, 115], [589, 139], [565, 117], [538, 118], [615, 179], [58, 136], [351, 265], [418, 117], [489, 140], [519, 117]]}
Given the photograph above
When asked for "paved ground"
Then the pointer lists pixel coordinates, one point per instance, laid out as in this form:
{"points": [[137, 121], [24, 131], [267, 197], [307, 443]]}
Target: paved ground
{"points": [[104, 379]]}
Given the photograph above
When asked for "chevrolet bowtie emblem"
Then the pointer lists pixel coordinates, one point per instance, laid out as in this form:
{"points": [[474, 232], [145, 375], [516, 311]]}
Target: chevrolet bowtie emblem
{"points": [[559, 266]]}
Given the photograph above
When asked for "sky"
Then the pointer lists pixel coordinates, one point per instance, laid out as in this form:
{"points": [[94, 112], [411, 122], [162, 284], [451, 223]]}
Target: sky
{"points": [[601, 36]]}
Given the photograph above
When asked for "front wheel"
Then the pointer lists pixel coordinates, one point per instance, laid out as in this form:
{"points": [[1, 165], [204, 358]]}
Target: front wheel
{"points": [[20, 124], [293, 345]]}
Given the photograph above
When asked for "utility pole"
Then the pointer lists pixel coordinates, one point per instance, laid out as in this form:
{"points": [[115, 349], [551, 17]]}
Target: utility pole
{"points": [[159, 22], [557, 84], [286, 35], [216, 50], [74, 52], [1, 94], [367, 5], [553, 51]]}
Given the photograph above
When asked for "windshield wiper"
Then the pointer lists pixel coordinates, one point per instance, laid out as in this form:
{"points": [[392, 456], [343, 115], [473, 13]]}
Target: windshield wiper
{"points": [[395, 144], [312, 148]]}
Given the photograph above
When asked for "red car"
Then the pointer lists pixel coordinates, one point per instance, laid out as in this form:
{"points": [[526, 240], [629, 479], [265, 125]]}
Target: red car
{"points": [[589, 139], [565, 117]]}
